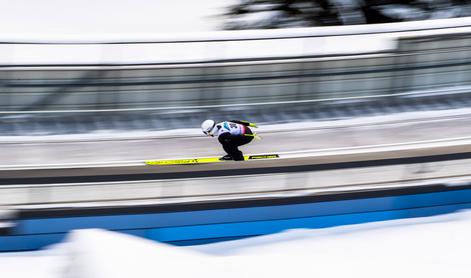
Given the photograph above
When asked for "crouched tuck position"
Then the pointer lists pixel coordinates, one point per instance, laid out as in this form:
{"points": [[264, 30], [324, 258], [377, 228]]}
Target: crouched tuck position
{"points": [[231, 134]]}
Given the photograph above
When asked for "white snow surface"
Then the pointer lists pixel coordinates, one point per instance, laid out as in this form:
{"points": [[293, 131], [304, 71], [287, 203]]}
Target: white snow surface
{"points": [[422, 247]]}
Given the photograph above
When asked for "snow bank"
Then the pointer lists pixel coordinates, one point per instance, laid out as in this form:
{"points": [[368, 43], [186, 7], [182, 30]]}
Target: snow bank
{"points": [[425, 247]]}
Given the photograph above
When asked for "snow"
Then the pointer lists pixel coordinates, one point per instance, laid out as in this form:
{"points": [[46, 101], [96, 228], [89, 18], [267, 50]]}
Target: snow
{"points": [[423, 247]]}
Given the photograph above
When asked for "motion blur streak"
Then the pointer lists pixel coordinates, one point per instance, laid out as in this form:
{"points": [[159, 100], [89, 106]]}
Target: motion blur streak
{"points": [[384, 107]]}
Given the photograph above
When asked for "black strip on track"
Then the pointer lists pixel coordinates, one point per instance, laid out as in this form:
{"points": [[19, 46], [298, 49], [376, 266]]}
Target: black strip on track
{"points": [[235, 172]]}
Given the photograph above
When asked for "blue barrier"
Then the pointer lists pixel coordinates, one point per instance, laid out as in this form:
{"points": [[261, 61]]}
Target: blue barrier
{"points": [[210, 225]]}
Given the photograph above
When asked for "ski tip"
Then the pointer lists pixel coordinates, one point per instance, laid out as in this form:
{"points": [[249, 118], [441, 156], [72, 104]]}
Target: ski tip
{"points": [[188, 161], [171, 162]]}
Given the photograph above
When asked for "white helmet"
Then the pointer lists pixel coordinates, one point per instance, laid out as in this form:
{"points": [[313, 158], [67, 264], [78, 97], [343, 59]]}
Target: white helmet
{"points": [[207, 126]]}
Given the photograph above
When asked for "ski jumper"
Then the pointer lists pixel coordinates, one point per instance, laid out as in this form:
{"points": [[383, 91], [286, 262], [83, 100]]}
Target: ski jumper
{"points": [[232, 134]]}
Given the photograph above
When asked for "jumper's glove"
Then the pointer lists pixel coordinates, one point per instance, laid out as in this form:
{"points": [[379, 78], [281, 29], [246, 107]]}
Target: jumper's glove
{"points": [[254, 135], [253, 125]]}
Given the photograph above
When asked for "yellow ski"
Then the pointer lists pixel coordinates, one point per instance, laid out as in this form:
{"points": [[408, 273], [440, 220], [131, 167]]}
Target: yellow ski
{"points": [[206, 160]]}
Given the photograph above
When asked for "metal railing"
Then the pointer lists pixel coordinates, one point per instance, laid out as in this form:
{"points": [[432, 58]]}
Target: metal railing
{"points": [[432, 64]]}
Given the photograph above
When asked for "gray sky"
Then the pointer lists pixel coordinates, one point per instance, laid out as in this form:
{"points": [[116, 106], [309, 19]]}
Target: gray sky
{"points": [[109, 16]]}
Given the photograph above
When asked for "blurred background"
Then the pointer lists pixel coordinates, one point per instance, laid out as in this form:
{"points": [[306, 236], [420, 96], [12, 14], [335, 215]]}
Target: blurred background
{"points": [[367, 104], [284, 14]]}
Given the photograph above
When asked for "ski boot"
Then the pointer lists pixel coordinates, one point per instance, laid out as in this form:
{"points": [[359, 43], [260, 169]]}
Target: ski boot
{"points": [[226, 157]]}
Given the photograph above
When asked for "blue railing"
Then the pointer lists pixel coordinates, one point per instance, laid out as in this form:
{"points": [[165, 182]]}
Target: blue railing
{"points": [[208, 225]]}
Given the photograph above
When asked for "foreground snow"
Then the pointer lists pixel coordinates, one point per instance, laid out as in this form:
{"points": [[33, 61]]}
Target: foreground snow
{"points": [[424, 247]]}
